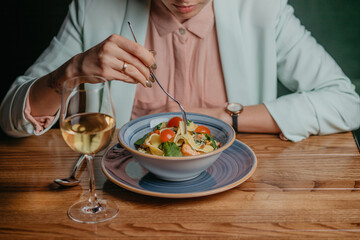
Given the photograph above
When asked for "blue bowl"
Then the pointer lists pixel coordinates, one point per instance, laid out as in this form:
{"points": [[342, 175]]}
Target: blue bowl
{"points": [[175, 168]]}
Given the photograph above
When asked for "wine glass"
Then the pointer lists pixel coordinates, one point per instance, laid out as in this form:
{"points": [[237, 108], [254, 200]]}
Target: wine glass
{"points": [[87, 123]]}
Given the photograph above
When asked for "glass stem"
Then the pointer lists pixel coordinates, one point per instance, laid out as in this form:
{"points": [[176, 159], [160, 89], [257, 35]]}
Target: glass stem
{"points": [[93, 202]]}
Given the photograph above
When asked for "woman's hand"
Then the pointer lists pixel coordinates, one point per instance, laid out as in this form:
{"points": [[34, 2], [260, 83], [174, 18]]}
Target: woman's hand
{"points": [[116, 58], [106, 59]]}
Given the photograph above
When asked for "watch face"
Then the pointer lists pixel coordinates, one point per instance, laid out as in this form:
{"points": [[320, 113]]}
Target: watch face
{"points": [[234, 107]]}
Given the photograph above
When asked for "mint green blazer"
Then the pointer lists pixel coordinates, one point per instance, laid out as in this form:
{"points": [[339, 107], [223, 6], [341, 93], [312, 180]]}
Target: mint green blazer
{"points": [[261, 43]]}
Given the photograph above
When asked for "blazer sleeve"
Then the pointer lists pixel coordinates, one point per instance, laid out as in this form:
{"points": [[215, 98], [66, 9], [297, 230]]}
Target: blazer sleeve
{"points": [[66, 44], [324, 100]]}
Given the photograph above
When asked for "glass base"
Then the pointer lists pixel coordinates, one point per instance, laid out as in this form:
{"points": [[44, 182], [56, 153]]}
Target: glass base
{"points": [[83, 212]]}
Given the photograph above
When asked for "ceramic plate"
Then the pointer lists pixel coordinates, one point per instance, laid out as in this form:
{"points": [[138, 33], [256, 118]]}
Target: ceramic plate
{"points": [[234, 166]]}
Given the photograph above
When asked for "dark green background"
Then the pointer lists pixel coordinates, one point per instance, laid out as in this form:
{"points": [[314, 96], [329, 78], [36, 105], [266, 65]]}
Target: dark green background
{"points": [[336, 26], [28, 27]]}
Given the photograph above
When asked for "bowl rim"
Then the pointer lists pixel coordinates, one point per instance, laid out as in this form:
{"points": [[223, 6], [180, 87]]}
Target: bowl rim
{"points": [[204, 155]]}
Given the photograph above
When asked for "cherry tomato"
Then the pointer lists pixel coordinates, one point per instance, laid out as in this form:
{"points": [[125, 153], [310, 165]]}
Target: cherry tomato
{"points": [[174, 122], [166, 135], [202, 129]]}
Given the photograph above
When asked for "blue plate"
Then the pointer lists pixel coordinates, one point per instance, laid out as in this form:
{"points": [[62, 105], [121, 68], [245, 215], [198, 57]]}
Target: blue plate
{"points": [[234, 166]]}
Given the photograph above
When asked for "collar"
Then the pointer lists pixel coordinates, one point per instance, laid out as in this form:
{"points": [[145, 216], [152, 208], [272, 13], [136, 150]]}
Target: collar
{"points": [[165, 22]]}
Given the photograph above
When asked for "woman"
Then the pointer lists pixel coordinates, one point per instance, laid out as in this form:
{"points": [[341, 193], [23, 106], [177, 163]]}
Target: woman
{"points": [[208, 53]]}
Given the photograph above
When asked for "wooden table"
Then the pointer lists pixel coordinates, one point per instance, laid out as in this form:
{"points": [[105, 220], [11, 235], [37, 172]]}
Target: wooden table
{"points": [[300, 190]]}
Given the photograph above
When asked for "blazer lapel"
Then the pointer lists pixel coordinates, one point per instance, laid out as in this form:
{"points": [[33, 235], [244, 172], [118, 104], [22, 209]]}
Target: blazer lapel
{"points": [[231, 49], [137, 13]]}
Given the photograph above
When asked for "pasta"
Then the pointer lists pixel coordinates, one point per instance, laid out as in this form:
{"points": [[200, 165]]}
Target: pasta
{"points": [[170, 139]]}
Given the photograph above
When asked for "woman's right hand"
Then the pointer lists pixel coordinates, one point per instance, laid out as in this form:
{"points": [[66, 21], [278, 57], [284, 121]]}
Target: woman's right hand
{"points": [[107, 60]]}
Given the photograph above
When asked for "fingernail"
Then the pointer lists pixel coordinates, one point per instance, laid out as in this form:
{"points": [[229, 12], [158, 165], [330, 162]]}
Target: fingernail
{"points": [[148, 84], [153, 66], [153, 52], [151, 79]]}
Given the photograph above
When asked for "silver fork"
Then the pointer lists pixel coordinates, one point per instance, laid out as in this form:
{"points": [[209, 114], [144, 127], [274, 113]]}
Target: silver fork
{"points": [[154, 77]]}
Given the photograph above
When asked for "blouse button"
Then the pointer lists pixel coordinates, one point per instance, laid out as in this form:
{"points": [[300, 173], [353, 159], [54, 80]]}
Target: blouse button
{"points": [[182, 31]]}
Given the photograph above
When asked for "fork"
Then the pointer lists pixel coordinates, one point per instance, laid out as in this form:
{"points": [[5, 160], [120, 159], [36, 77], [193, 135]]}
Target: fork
{"points": [[152, 74]]}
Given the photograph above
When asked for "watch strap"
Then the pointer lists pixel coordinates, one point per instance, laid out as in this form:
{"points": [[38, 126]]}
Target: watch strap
{"points": [[235, 122]]}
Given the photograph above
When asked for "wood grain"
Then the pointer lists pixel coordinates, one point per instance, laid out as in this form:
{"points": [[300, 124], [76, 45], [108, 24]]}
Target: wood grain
{"points": [[309, 189]]}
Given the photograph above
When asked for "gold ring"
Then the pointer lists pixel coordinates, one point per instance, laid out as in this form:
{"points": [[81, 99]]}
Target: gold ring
{"points": [[124, 67]]}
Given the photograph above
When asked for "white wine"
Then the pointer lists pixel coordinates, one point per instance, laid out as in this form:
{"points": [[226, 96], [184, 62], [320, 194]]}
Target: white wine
{"points": [[88, 133]]}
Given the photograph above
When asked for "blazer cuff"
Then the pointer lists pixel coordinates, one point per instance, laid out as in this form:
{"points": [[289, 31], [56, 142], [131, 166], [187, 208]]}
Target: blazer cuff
{"points": [[295, 116], [17, 125]]}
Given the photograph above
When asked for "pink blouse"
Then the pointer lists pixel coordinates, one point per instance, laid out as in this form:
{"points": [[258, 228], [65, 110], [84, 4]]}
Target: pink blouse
{"points": [[188, 62]]}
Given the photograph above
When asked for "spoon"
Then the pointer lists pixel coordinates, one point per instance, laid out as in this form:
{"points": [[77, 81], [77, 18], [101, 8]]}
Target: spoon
{"points": [[154, 77], [72, 180]]}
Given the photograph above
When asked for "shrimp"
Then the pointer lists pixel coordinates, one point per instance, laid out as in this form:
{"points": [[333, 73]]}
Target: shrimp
{"points": [[188, 151]]}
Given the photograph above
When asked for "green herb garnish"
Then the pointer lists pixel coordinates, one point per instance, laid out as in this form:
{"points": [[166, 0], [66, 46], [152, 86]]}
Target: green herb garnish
{"points": [[171, 149], [140, 141], [210, 138], [158, 127]]}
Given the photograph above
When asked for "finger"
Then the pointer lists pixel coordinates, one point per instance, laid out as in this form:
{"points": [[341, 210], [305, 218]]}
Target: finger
{"points": [[110, 55], [111, 49], [132, 60], [112, 52], [153, 52], [116, 75], [110, 64], [154, 65], [131, 71], [134, 49]]}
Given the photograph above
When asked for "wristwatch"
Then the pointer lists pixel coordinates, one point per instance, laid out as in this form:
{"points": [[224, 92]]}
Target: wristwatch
{"points": [[234, 109]]}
